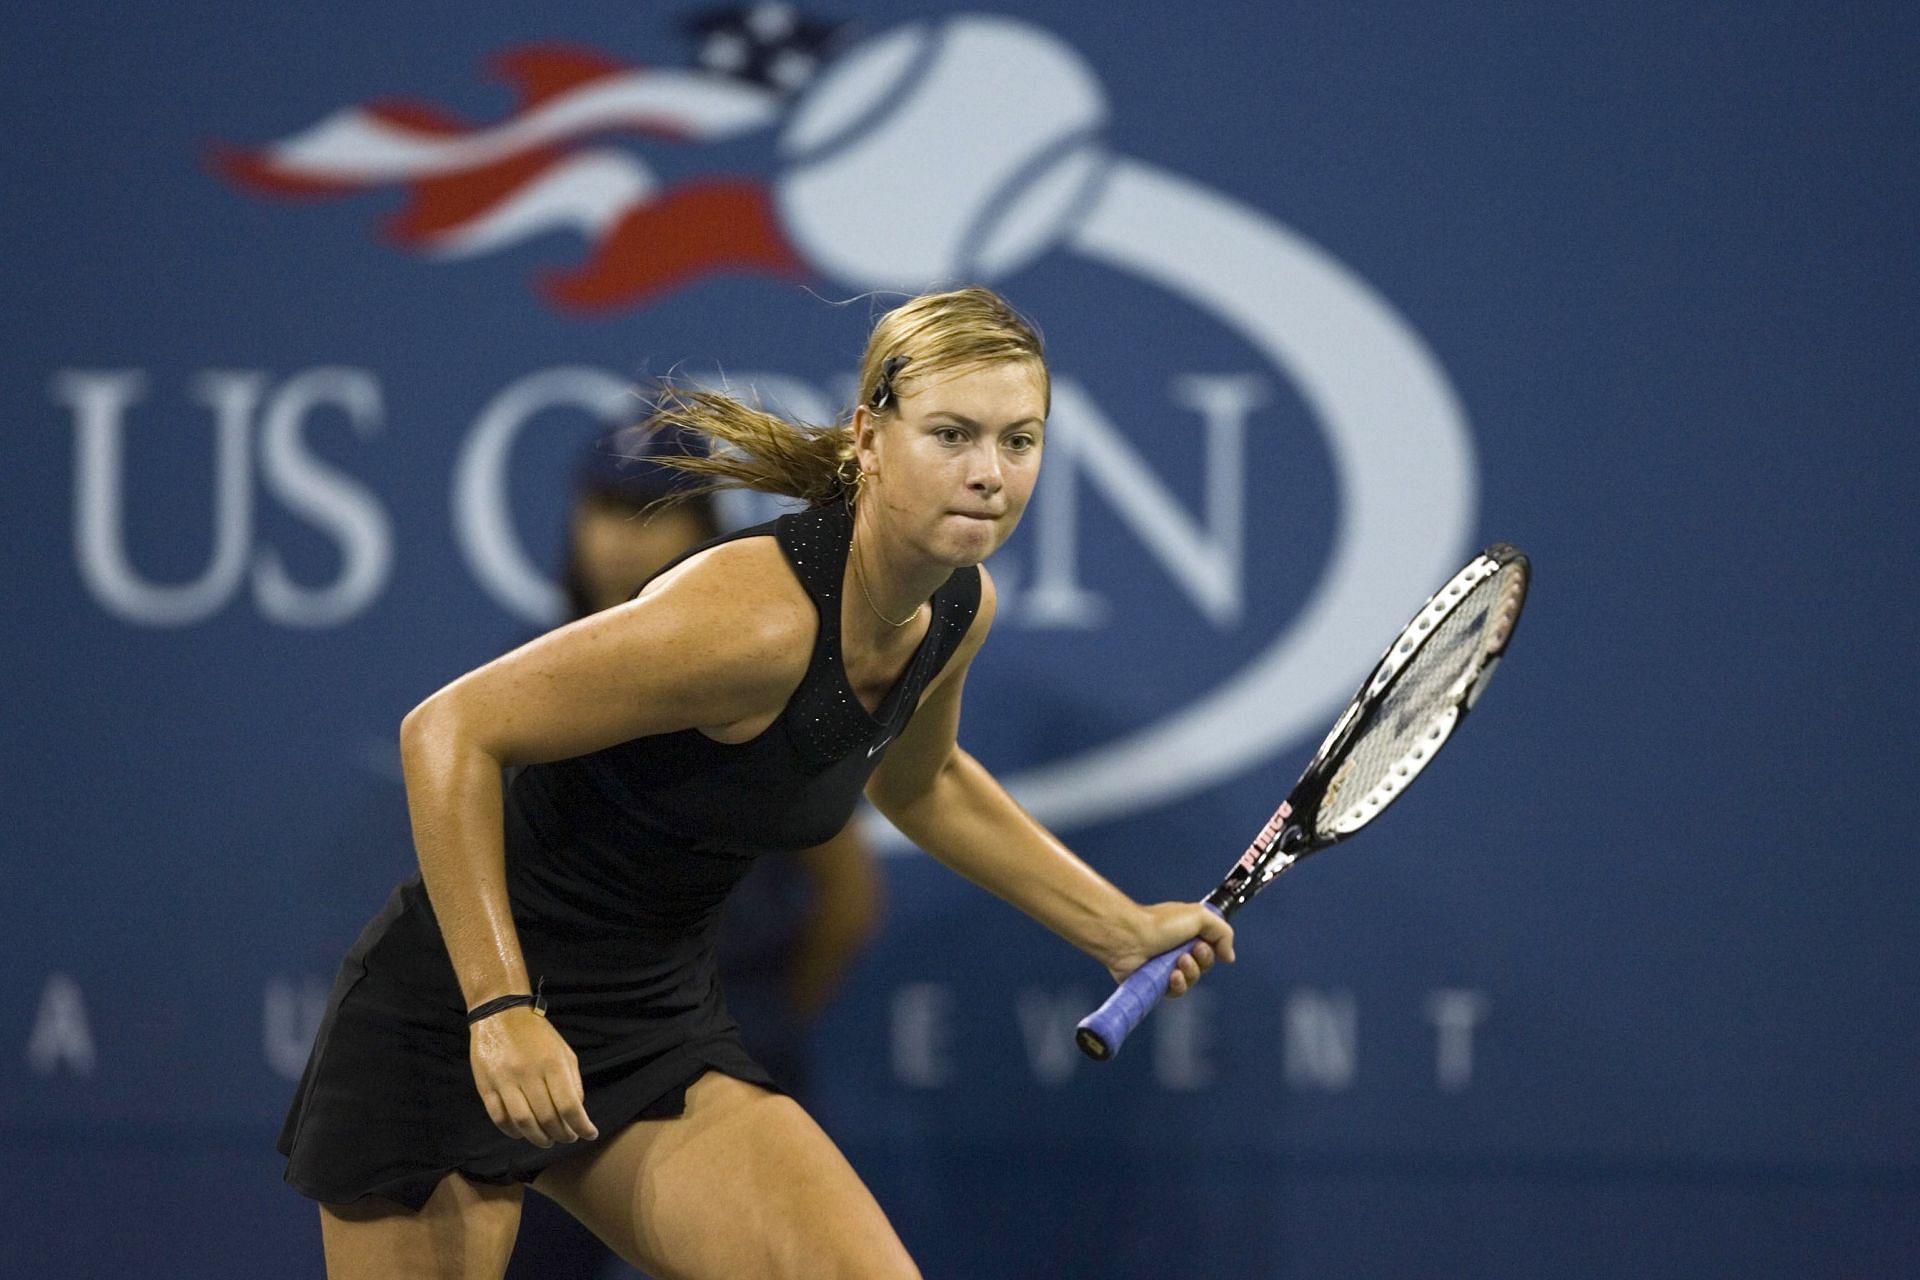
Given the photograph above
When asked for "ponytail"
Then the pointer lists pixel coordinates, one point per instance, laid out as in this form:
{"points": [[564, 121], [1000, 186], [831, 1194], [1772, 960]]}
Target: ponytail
{"points": [[750, 448]]}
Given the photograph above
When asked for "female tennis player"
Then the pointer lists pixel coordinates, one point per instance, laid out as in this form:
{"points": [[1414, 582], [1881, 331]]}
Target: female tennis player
{"points": [[539, 1005]]}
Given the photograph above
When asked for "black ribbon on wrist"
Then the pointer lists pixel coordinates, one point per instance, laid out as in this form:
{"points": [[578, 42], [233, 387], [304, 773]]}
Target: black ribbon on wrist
{"points": [[500, 1004]]}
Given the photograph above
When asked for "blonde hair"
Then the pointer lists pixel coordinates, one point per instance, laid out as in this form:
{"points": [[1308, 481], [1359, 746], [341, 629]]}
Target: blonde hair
{"points": [[931, 336]]}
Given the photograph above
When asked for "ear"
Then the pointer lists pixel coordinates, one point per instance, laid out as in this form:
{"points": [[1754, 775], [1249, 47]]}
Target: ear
{"points": [[866, 438]]}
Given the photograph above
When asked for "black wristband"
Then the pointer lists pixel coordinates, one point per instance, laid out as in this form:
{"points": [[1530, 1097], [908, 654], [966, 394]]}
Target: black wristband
{"points": [[500, 1004]]}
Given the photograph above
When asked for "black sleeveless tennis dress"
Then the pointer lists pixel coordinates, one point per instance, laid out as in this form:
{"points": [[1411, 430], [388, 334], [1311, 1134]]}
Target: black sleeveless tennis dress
{"points": [[618, 864]]}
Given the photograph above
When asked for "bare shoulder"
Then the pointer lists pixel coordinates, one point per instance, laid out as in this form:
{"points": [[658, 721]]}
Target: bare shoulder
{"points": [[982, 617], [719, 643], [746, 575], [738, 601], [989, 601]]}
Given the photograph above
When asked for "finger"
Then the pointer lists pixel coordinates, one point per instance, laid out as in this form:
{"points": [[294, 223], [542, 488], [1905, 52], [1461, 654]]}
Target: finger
{"points": [[572, 1107], [1202, 955], [497, 1112], [580, 1088], [1185, 974], [524, 1125], [1218, 935], [520, 1116], [560, 1107], [546, 1114], [583, 1124]]}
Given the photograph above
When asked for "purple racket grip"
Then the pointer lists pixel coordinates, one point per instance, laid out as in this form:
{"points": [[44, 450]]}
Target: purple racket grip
{"points": [[1102, 1032]]}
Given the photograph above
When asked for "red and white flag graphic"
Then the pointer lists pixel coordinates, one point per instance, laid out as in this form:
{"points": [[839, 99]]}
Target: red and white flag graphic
{"points": [[552, 164]]}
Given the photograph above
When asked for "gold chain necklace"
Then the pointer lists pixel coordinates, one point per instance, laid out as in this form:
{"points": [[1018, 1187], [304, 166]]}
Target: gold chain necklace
{"points": [[861, 578]]}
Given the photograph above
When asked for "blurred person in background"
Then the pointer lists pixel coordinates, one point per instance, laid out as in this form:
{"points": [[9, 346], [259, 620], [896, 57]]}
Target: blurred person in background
{"points": [[797, 922]]}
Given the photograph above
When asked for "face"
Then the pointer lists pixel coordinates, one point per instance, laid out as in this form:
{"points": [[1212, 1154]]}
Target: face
{"points": [[952, 471]]}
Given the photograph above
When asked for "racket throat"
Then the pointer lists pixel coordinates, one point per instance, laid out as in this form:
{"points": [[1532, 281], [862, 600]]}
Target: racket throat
{"points": [[1226, 902], [1263, 864]]}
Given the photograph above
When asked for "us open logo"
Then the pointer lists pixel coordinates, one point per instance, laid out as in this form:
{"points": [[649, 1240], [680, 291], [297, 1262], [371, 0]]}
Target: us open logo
{"points": [[893, 170]]}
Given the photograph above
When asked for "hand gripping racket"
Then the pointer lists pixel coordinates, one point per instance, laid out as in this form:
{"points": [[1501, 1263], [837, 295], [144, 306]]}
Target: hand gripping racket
{"points": [[1429, 678]]}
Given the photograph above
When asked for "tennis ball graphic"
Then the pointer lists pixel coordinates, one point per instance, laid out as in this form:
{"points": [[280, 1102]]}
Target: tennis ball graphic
{"points": [[939, 152]]}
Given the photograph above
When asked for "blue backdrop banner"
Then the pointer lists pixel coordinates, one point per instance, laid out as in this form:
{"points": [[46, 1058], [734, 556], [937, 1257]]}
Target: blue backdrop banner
{"points": [[313, 311]]}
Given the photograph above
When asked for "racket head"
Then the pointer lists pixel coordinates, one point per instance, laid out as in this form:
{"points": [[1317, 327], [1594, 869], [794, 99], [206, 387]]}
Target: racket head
{"points": [[1409, 705], [1425, 683]]}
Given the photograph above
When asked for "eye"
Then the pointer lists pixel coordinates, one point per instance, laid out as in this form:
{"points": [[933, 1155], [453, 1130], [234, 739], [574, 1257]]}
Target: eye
{"points": [[1022, 443], [949, 435]]}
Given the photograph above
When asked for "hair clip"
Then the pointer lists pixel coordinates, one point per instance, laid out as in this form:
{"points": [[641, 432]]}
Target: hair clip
{"points": [[883, 394]]}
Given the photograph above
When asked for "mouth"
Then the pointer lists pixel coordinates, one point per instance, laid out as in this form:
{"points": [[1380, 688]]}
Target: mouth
{"points": [[984, 517]]}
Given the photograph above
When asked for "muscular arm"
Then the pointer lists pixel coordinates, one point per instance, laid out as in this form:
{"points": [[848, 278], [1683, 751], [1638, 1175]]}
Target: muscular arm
{"points": [[969, 822], [946, 802], [718, 644]]}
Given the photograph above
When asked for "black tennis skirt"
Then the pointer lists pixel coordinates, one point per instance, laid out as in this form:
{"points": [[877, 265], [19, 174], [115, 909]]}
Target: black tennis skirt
{"points": [[387, 1105]]}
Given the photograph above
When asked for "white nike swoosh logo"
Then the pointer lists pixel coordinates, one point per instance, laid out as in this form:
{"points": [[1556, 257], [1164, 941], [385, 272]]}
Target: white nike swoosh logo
{"points": [[874, 750]]}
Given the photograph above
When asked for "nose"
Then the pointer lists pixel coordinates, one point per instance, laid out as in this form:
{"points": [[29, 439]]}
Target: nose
{"points": [[985, 478]]}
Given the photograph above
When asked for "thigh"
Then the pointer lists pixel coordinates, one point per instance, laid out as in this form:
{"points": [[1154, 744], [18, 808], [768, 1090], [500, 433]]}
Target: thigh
{"points": [[743, 1184], [464, 1232]]}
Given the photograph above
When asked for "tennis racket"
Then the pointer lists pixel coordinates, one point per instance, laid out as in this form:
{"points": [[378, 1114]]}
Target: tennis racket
{"points": [[1427, 681]]}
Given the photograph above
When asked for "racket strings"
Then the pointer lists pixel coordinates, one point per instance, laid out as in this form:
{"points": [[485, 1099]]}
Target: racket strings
{"points": [[1419, 710]]}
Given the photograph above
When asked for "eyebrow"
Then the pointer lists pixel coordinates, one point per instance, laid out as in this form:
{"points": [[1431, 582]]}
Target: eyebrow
{"points": [[965, 421]]}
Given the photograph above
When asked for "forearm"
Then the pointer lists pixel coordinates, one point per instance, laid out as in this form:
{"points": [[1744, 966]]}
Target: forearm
{"points": [[825, 952], [845, 906], [454, 800], [968, 821]]}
